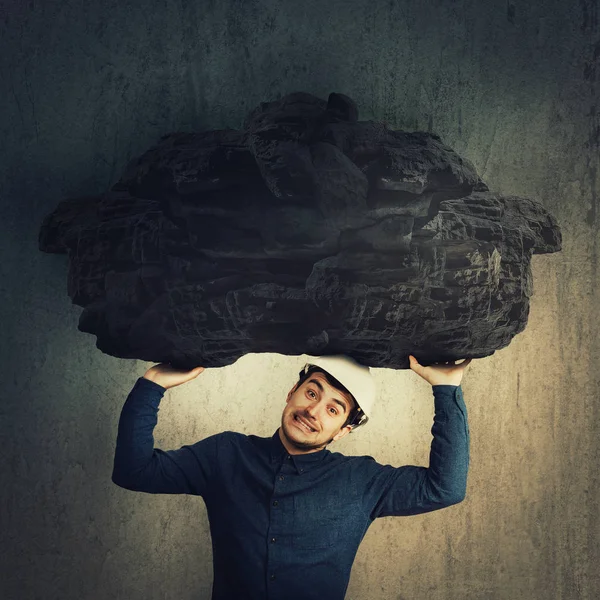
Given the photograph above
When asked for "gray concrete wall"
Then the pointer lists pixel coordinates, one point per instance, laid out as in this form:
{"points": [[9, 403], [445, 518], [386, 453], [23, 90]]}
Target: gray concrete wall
{"points": [[510, 85]]}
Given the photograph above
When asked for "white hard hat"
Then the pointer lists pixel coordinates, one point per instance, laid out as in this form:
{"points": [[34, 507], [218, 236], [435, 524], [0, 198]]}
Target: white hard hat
{"points": [[356, 378]]}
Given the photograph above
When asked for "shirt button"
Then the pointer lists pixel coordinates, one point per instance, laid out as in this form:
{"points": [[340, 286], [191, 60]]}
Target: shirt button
{"points": [[273, 540], [281, 478], [301, 470], [275, 503], [272, 576]]}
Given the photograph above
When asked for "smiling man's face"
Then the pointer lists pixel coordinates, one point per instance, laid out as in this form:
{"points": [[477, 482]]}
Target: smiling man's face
{"points": [[314, 415]]}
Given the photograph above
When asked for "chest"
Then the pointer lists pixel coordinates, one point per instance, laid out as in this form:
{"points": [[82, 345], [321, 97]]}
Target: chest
{"points": [[307, 507]]}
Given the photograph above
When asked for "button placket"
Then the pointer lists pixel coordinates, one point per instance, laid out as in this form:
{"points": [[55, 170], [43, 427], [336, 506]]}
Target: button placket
{"points": [[281, 510]]}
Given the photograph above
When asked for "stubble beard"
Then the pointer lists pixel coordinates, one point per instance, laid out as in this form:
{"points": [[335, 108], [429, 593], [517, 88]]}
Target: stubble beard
{"points": [[302, 445]]}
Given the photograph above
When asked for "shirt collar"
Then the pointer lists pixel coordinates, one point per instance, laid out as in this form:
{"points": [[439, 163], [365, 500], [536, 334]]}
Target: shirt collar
{"points": [[278, 450]]}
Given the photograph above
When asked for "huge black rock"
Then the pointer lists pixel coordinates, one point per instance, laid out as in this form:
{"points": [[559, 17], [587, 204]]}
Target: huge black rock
{"points": [[308, 232]]}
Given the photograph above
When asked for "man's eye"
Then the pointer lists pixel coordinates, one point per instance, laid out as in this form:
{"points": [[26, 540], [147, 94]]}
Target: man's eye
{"points": [[334, 411], [311, 392]]}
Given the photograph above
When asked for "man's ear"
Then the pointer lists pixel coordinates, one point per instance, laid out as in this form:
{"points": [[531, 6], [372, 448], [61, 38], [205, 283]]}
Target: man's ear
{"points": [[344, 431], [290, 393]]}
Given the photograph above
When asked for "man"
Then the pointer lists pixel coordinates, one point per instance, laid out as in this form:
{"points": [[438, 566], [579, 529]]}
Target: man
{"points": [[287, 515]]}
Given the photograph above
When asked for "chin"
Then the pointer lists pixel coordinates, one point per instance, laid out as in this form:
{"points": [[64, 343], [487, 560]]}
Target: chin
{"points": [[292, 432], [295, 437]]}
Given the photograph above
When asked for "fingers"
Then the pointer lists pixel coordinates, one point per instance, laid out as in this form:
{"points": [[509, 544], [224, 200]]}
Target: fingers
{"points": [[453, 363], [448, 363], [463, 364], [412, 362]]}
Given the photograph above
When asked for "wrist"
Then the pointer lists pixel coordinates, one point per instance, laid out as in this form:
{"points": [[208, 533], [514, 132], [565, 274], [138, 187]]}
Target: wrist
{"points": [[153, 378]]}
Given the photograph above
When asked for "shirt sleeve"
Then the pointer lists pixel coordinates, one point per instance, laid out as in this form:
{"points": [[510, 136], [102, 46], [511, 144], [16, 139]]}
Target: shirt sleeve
{"points": [[411, 490], [138, 466]]}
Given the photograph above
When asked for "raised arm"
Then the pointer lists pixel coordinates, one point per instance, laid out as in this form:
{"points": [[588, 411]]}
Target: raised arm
{"points": [[138, 465], [409, 490]]}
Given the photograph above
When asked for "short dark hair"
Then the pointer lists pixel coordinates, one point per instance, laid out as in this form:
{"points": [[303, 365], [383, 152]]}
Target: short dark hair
{"points": [[355, 412]]}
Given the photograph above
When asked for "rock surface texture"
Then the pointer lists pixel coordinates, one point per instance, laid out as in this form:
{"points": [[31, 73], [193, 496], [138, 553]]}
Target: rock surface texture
{"points": [[307, 232]]}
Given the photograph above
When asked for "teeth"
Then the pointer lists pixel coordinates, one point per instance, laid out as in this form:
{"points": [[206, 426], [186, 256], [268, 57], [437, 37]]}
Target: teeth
{"points": [[304, 426]]}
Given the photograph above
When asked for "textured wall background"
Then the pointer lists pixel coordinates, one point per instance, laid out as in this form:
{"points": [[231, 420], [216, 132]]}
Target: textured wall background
{"points": [[510, 85]]}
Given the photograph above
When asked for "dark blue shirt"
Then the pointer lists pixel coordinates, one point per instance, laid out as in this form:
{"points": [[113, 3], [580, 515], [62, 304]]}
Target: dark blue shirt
{"points": [[287, 527]]}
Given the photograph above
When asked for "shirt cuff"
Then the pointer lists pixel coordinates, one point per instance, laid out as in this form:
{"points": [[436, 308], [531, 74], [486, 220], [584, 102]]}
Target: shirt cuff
{"points": [[447, 395], [150, 386]]}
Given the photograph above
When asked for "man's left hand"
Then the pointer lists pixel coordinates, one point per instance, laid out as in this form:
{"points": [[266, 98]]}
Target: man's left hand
{"points": [[448, 373]]}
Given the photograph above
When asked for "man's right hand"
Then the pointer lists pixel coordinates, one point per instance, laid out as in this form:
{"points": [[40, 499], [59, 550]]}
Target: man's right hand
{"points": [[165, 375]]}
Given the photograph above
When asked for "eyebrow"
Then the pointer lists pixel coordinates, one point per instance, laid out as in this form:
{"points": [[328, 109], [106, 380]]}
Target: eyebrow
{"points": [[318, 384]]}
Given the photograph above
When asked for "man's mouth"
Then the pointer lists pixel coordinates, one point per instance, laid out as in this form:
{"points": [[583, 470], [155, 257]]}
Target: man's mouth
{"points": [[304, 425]]}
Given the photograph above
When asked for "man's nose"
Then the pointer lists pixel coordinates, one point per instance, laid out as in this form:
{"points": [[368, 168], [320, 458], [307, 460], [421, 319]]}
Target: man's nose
{"points": [[313, 410]]}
